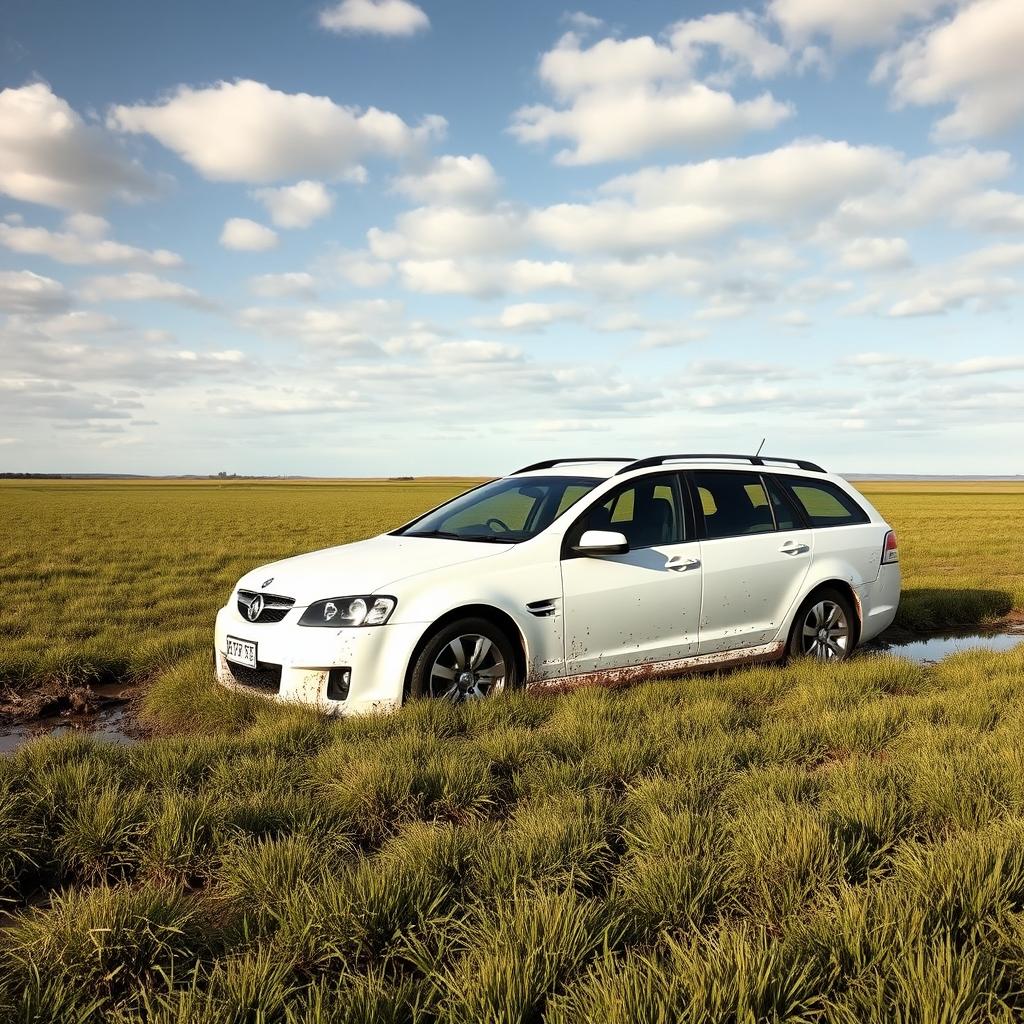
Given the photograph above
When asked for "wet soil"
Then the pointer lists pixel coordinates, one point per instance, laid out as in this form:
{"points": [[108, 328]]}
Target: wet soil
{"points": [[104, 710]]}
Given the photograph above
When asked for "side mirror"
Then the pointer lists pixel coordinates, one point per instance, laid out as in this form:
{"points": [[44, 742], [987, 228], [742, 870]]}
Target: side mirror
{"points": [[601, 542]]}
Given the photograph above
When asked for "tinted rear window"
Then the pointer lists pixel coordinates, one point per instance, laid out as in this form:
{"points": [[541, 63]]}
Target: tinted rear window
{"points": [[824, 503], [733, 504]]}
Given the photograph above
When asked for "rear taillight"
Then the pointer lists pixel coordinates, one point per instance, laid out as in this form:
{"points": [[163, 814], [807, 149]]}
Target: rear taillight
{"points": [[890, 549]]}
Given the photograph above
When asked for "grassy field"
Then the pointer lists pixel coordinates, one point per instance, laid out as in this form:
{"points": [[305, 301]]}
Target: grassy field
{"points": [[802, 844], [841, 845]]}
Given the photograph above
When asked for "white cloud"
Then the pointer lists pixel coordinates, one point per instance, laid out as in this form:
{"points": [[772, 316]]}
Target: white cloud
{"points": [[832, 193], [582, 22], [942, 296], [624, 97], [451, 179], [446, 231], [461, 352], [296, 206], [874, 254], [246, 131], [82, 243], [647, 273], [800, 178], [531, 316], [49, 155], [613, 225], [922, 191], [484, 278], [570, 70], [360, 268], [992, 257], [141, 287], [21, 291], [356, 326], [974, 61], [740, 39], [246, 235], [849, 24], [991, 210], [670, 336], [376, 17], [619, 124], [293, 284]]}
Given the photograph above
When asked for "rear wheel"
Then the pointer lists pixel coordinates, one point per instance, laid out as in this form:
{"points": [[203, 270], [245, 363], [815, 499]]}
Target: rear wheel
{"points": [[824, 627], [466, 660]]}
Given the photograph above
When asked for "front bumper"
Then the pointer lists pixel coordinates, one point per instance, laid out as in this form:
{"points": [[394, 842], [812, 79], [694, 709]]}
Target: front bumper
{"points": [[376, 656]]}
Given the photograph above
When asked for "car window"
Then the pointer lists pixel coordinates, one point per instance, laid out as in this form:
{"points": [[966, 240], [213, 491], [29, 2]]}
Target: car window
{"points": [[572, 494], [503, 511], [645, 511], [736, 504], [825, 503], [784, 514], [512, 507]]}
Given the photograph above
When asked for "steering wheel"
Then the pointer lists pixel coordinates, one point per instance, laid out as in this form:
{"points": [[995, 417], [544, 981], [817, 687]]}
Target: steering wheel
{"points": [[503, 527]]}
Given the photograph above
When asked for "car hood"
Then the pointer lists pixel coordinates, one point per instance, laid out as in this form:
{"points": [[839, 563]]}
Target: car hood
{"points": [[366, 567]]}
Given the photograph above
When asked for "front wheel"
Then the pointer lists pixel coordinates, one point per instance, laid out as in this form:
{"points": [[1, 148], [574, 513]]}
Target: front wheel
{"points": [[466, 660], [824, 627]]}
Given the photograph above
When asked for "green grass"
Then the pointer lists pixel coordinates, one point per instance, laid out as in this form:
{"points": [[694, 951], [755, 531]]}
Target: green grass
{"points": [[821, 844], [801, 844]]}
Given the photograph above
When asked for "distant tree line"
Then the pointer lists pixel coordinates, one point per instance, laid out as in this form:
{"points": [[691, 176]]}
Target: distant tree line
{"points": [[35, 476]]}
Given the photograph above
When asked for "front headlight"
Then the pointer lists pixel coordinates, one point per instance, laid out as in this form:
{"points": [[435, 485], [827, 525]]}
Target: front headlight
{"points": [[341, 612]]}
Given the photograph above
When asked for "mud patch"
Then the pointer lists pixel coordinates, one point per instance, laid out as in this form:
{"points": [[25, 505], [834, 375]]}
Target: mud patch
{"points": [[104, 710]]}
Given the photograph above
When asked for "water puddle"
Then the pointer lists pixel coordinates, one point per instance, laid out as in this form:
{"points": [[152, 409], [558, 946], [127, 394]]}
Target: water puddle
{"points": [[926, 650], [109, 722]]}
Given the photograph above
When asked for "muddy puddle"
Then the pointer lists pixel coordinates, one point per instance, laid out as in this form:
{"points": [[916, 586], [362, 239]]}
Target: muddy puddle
{"points": [[928, 649], [107, 717]]}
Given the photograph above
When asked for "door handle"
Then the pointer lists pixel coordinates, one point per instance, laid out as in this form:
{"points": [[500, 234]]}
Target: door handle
{"points": [[678, 564], [789, 548]]}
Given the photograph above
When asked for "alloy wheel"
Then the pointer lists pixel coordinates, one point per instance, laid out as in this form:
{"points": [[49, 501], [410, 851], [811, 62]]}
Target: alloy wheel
{"points": [[826, 631], [468, 667]]}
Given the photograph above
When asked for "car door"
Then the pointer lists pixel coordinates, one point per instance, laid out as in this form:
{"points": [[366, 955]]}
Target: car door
{"points": [[642, 606], [755, 552]]}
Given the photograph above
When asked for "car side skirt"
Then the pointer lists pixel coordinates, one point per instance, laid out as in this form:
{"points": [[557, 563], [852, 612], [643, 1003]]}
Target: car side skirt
{"points": [[773, 651]]}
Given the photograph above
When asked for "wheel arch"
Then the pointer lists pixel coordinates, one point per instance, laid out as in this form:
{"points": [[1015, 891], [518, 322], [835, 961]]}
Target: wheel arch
{"points": [[491, 613], [847, 590]]}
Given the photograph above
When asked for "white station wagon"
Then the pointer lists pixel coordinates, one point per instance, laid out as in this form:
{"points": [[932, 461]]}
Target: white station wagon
{"points": [[571, 570]]}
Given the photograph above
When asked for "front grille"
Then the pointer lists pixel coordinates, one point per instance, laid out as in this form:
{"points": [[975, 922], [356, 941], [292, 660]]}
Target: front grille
{"points": [[265, 677], [275, 607]]}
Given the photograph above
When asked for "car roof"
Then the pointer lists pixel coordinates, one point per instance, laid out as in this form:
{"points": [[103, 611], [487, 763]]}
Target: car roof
{"points": [[607, 468]]}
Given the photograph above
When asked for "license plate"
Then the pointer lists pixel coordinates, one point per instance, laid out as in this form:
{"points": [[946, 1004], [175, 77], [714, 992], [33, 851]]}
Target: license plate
{"points": [[242, 652]]}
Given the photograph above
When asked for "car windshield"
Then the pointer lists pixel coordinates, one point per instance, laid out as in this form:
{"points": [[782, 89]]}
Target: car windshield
{"points": [[503, 511]]}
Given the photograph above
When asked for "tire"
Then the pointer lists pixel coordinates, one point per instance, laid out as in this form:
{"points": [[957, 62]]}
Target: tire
{"points": [[825, 627], [466, 660]]}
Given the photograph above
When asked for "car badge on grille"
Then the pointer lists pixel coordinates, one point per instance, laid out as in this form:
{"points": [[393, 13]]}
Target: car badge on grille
{"points": [[255, 608], [266, 583]]}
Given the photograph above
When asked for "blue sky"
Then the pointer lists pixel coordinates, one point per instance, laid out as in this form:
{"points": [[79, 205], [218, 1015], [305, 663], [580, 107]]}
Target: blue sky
{"points": [[370, 237]]}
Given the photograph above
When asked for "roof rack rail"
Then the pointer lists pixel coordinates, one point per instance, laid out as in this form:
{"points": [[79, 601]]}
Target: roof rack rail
{"points": [[549, 463], [754, 460]]}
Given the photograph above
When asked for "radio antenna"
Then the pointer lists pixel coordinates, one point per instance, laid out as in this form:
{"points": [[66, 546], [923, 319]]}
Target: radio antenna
{"points": [[760, 446]]}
